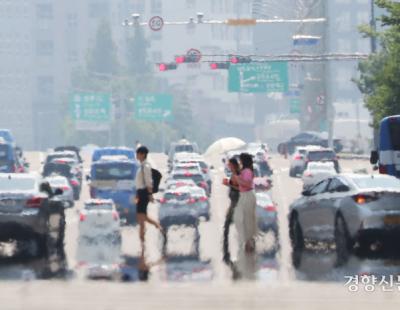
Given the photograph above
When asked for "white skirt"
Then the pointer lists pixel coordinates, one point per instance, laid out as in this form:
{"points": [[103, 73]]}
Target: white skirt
{"points": [[245, 217]]}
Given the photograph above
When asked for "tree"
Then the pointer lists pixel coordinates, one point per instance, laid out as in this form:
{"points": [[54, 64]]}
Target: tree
{"points": [[102, 56], [137, 50], [380, 74]]}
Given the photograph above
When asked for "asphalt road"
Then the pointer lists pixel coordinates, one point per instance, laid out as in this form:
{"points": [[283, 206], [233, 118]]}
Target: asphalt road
{"points": [[182, 280]]}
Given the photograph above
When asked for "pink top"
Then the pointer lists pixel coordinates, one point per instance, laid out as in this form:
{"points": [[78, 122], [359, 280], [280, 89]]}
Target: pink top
{"points": [[246, 175]]}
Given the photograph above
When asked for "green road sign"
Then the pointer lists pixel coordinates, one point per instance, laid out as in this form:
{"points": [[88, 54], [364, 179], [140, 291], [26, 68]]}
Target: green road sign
{"points": [[268, 77], [153, 107], [90, 107], [295, 106]]}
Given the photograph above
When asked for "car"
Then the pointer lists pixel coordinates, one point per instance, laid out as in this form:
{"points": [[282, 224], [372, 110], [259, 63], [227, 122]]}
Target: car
{"points": [[321, 155], [297, 160], [200, 201], [30, 212], [197, 177], [99, 219], [115, 179], [70, 148], [182, 146], [60, 182], [316, 172], [352, 210], [7, 136], [76, 168], [267, 215], [64, 169], [308, 138], [177, 208]]}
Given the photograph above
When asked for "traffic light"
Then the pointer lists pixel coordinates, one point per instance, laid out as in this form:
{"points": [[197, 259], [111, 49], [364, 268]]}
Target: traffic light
{"points": [[186, 59], [166, 67], [219, 65], [240, 59]]}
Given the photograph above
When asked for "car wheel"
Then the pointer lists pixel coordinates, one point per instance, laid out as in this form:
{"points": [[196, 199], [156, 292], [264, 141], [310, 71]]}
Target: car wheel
{"points": [[342, 240], [296, 234]]}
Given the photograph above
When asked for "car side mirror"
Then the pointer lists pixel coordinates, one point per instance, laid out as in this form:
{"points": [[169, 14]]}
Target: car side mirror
{"points": [[58, 192], [88, 178], [212, 167], [374, 157], [306, 193]]}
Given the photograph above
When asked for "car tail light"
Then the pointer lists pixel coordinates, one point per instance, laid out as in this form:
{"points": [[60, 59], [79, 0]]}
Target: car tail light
{"points": [[192, 200], [163, 200], [115, 216], [270, 208], [203, 184], [74, 183], [363, 199], [65, 188], [34, 202], [82, 217], [382, 169], [297, 157], [308, 174], [205, 170], [203, 198]]}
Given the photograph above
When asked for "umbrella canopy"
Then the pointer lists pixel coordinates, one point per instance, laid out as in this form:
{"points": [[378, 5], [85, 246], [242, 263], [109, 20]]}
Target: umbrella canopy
{"points": [[224, 145]]}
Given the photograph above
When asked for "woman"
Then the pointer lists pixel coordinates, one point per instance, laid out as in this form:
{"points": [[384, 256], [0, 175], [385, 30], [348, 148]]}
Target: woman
{"points": [[245, 211], [234, 167]]}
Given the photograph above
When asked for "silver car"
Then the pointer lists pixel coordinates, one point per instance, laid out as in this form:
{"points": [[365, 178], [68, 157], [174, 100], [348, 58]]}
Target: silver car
{"points": [[354, 211], [60, 182]]}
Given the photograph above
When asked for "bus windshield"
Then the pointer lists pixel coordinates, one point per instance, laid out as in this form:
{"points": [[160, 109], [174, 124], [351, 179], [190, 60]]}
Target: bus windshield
{"points": [[117, 171]]}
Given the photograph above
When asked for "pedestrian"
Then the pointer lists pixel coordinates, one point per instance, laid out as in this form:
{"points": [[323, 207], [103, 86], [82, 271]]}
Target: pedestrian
{"points": [[144, 192], [234, 168], [245, 211]]}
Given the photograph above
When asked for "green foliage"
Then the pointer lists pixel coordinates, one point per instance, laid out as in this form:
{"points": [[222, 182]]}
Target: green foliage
{"points": [[102, 58], [380, 74], [137, 50]]}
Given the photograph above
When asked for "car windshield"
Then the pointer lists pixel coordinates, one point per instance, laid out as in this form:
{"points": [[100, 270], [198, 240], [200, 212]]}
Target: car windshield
{"points": [[321, 155], [195, 177], [98, 206], [114, 172], [60, 169], [184, 148], [376, 182], [179, 196], [57, 182], [17, 184]]}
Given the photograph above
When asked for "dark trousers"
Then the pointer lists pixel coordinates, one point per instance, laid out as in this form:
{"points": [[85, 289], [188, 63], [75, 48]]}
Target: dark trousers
{"points": [[227, 225]]}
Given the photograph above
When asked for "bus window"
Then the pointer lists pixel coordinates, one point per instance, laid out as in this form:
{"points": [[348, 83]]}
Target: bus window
{"points": [[394, 131]]}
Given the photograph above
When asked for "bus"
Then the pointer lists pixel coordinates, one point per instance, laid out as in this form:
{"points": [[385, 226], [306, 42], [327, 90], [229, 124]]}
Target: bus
{"points": [[115, 179], [387, 155]]}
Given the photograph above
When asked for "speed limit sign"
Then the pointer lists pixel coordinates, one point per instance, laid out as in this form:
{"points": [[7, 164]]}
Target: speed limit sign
{"points": [[156, 23]]}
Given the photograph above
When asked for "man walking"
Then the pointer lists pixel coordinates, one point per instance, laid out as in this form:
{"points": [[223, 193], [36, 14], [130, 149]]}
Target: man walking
{"points": [[144, 192]]}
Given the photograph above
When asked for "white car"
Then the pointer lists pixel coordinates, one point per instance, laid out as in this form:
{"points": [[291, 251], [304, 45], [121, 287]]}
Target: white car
{"points": [[297, 161], [99, 219], [316, 172], [60, 182]]}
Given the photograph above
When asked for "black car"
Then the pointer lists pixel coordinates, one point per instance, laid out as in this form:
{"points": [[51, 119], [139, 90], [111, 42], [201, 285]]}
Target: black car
{"points": [[308, 138]]}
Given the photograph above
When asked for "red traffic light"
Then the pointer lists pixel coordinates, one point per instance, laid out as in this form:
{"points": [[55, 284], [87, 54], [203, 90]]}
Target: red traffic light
{"points": [[180, 59], [240, 59], [219, 65], [165, 67]]}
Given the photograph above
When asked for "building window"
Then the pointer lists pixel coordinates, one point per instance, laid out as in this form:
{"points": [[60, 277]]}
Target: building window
{"points": [[72, 20], [44, 48], [45, 85], [44, 11], [156, 6]]}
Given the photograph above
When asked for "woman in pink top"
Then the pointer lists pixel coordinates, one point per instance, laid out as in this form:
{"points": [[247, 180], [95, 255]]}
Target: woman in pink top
{"points": [[245, 212]]}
